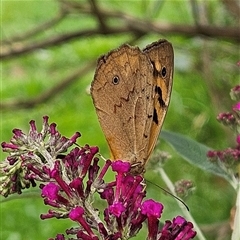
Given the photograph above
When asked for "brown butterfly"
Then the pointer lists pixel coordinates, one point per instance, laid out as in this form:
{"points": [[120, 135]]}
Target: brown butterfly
{"points": [[131, 92]]}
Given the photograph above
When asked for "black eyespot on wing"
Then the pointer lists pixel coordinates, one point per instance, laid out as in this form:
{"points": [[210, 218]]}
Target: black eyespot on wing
{"points": [[155, 116], [164, 72], [116, 80]]}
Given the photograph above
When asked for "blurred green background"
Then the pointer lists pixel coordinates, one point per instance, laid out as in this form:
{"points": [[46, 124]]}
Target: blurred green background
{"points": [[205, 71]]}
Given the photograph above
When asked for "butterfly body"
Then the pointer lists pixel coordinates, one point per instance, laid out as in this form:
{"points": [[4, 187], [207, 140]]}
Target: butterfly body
{"points": [[131, 91]]}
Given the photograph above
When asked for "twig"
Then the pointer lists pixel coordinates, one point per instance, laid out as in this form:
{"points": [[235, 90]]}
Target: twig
{"points": [[20, 49], [233, 7], [199, 12], [129, 24], [134, 26], [37, 29], [99, 15], [48, 94]]}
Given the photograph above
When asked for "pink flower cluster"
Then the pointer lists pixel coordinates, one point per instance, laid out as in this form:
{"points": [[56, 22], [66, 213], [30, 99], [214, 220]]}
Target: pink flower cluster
{"points": [[229, 158], [70, 182]]}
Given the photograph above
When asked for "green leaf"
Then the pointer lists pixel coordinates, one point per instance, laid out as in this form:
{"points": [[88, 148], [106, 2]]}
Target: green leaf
{"points": [[193, 152]]}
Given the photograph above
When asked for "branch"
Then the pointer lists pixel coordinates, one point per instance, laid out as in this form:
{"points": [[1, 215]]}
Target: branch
{"points": [[37, 29], [231, 33], [134, 26], [233, 7], [48, 94], [188, 30], [129, 24], [19, 49], [98, 15]]}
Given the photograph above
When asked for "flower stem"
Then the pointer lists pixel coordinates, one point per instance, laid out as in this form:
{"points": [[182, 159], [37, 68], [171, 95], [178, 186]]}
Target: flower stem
{"points": [[236, 228], [186, 213]]}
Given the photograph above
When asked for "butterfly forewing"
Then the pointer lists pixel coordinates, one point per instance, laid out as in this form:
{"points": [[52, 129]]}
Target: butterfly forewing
{"points": [[162, 58], [128, 92]]}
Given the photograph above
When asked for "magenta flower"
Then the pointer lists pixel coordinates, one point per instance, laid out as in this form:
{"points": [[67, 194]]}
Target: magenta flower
{"points": [[121, 167], [153, 211], [70, 181], [229, 159], [50, 191], [227, 119], [30, 153], [178, 229], [235, 93], [232, 119], [236, 107], [152, 208], [117, 209], [77, 214], [183, 188]]}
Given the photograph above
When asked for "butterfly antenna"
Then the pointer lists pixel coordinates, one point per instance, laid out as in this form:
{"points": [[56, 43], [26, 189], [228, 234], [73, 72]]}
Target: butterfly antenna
{"points": [[180, 200]]}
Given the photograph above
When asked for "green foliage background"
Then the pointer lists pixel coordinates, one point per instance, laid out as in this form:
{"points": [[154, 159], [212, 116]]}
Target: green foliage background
{"points": [[192, 111]]}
